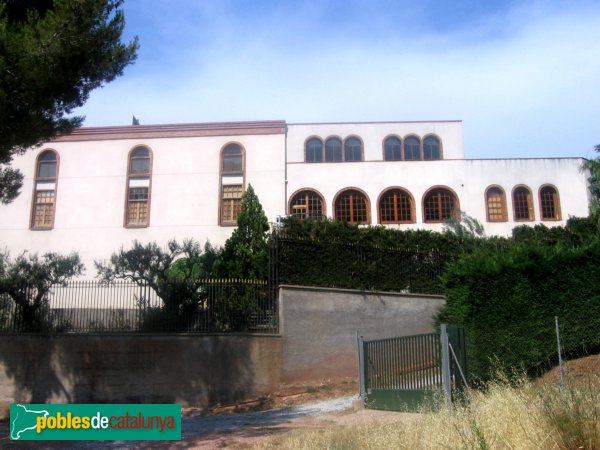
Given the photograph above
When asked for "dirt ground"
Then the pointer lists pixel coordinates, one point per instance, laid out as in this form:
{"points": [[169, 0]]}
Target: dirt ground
{"points": [[245, 438], [257, 420], [576, 369], [249, 436]]}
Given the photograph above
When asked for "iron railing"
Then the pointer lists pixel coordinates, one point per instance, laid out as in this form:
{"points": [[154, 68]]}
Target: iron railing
{"points": [[411, 362], [228, 305]]}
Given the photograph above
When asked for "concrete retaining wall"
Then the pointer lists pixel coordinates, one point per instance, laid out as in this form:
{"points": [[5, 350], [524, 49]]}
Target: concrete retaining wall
{"points": [[190, 370], [319, 327], [318, 341]]}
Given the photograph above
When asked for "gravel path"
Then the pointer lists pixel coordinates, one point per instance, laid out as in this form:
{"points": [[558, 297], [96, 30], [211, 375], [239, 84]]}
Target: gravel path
{"points": [[192, 427]]}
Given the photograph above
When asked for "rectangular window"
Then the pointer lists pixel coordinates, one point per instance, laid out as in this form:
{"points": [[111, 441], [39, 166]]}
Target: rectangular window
{"points": [[393, 152], [333, 153], [314, 154], [496, 211], [396, 208], [231, 200], [550, 209], [47, 169], [522, 205], [43, 209], [232, 164], [140, 166], [137, 206]]}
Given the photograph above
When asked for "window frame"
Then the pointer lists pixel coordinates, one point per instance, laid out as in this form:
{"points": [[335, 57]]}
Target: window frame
{"points": [[223, 176], [412, 206], [367, 205], [312, 191], [230, 221], [37, 189], [360, 149], [241, 156], [530, 207], [138, 176], [455, 209], [556, 200], [503, 205], [393, 136], [406, 138], [341, 141], [440, 149], [306, 142]]}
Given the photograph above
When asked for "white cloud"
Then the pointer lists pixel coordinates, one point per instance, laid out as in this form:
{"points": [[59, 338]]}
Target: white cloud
{"points": [[525, 81]]}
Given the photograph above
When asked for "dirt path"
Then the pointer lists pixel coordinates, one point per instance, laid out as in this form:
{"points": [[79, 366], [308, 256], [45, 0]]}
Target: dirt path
{"points": [[201, 431]]}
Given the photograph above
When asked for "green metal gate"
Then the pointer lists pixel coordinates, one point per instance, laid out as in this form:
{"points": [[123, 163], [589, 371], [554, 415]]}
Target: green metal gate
{"points": [[403, 373]]}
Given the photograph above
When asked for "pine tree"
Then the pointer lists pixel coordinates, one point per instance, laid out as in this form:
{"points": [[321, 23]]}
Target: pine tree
{"points": [[246, 252], [53, 53]]}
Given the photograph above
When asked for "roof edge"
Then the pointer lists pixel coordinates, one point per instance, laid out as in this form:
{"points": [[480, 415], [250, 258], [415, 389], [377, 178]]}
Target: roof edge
{"points": [[174, 130]]}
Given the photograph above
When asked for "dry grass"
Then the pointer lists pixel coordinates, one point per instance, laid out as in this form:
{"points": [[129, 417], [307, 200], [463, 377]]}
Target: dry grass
{"points": [[524, 416]]}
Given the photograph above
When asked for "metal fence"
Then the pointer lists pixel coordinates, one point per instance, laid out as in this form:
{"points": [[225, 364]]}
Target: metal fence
{"points": [[90, 307], [407, 373]]}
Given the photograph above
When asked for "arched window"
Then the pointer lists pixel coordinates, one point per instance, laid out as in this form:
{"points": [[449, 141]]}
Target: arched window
{"points": [[392, 149], [352, 206], [137, 209], [314, 150], [232, 160], [412, 149], [522, 204], [431, 148], [549, 203], [44, 194], [439, 204], [307, 204], [396, 206], [232, 183], [333, 150], [353, 149], [495, 204]]}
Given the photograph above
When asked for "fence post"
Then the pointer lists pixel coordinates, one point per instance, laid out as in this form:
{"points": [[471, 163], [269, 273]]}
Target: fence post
{"points": [[445, 364], [560, 362], [361, 366]]}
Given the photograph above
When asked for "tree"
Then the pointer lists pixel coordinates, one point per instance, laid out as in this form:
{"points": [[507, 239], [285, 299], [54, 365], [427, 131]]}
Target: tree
{"points": [[176, 274], [593, 165], [246, 252], [28, 279], [53, 53], [464, 227]]}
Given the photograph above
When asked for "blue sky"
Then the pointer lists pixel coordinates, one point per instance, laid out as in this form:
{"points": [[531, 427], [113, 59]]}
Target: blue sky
{"points": [[524, 76]]}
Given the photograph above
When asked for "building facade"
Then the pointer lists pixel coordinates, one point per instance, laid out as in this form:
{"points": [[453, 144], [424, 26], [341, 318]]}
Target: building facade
{"points": [[100, 188]]}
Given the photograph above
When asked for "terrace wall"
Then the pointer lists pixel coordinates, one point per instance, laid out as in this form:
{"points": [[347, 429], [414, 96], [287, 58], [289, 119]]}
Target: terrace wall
{"points": [[317, 341]]}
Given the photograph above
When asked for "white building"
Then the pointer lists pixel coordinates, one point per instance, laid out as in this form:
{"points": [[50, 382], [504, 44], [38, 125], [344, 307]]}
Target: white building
{"points": [[99, 188]]}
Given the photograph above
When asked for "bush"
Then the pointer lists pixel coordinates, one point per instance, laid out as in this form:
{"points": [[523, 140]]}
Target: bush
{"points": [[507, 301], [338, 254]]}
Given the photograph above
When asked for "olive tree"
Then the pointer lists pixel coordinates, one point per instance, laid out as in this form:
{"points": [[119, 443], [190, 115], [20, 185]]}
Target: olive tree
{"points": [[175, 273], [27, 280]]}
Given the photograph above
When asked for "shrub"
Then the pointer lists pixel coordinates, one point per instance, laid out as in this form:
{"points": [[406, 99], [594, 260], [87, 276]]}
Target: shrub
{"points": [[507, 301]]}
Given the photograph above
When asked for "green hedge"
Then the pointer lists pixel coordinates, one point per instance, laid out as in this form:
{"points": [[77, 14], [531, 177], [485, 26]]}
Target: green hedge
{"points": [[337, 254], [507, 300], [357, 266]]}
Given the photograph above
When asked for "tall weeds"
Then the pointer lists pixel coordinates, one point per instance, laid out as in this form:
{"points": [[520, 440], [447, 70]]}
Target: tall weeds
{"points": [[523, 415]]}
